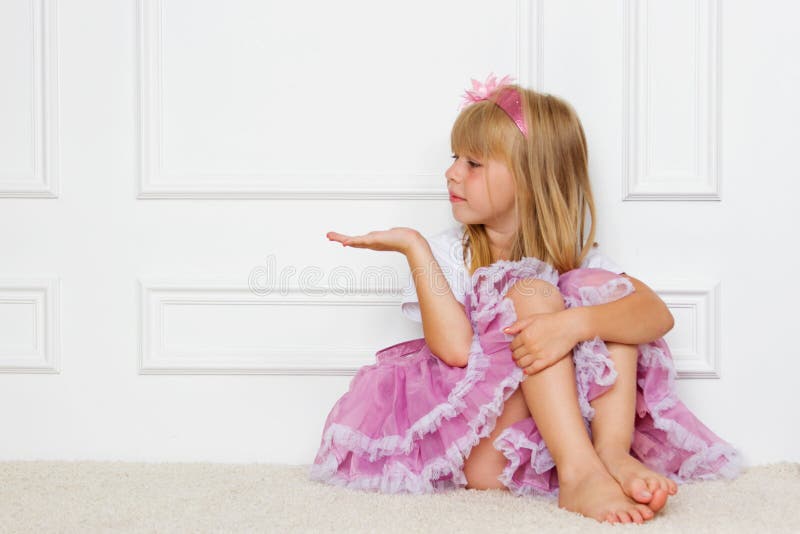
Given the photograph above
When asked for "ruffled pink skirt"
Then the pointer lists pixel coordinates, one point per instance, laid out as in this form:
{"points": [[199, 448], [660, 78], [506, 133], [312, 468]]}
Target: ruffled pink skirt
{"points": [[408, 422]]}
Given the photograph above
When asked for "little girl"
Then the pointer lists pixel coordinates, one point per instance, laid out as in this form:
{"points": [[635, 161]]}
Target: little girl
{"points": [[487, 399]]}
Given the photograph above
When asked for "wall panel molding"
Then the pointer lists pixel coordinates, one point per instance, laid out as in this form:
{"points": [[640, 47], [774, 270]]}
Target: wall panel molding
{"points": [[29, 333], [41, 179], [166, 308], [154, 182], [169, 308], [530, 43], [651, 90], [694, 340]]}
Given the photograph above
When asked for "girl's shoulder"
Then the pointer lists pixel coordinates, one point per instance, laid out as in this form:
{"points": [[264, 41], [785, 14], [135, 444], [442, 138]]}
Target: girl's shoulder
{"points": [[446, 245], [447, 248], [597, 259], [450, 233]]}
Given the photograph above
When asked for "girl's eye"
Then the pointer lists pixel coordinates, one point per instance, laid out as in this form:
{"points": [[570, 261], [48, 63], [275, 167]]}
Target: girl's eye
{"points": [[470, 162]]}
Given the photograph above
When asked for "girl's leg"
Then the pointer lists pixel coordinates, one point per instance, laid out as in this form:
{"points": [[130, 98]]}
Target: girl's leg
{"points": [[485, 463], [585, 486], [612, 431]]}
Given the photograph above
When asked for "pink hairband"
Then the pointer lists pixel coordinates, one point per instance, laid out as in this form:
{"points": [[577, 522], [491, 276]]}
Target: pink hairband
{"points": [[508, 99]]}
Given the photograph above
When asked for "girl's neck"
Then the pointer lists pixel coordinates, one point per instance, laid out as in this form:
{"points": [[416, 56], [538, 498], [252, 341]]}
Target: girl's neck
{"points": [[500, 243], [499, 255]]}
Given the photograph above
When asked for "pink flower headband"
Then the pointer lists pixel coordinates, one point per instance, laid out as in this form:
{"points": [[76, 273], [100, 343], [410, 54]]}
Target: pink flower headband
{"points": [[508, 100]]}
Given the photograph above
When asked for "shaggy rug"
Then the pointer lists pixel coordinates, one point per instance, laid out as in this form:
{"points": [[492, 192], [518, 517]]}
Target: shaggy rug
{"points": [[56, 496]]}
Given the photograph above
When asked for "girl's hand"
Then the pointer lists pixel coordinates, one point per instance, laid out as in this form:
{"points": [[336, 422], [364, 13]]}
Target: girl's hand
{"points": [[398, 239], [542, 339]]}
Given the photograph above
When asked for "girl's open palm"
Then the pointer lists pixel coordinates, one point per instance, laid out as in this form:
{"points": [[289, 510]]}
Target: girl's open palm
{"points": [[399, 239]]}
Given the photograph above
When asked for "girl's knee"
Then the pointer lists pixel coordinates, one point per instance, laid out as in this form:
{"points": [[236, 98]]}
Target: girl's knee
{"points": [[587, 276], [613, 285], [536, 295], [622, 350]]}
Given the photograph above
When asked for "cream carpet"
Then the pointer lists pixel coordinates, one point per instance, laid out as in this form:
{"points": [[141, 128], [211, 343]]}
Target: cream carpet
{"points": [[206, 497]]}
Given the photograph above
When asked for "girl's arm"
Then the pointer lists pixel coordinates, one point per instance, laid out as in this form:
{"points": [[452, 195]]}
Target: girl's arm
{"points": [[639, 317], [447, 329]]}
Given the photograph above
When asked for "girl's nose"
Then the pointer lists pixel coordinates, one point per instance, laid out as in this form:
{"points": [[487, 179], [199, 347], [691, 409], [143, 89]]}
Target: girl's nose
{"points": [[451, 173]]}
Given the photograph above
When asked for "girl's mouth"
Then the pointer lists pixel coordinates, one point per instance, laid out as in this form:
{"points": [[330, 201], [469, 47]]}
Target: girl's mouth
{"points": [[454, 198]]}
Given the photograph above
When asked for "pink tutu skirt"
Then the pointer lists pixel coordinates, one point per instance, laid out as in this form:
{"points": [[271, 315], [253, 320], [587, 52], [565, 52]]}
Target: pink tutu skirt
{"points": [[408, 421]]}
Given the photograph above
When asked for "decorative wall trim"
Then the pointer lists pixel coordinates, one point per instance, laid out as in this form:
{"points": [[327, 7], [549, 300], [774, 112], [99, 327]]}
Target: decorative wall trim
{"points": [[530, 43], [41, 181], [154, 182], [157, 295], [696, 356], [35, 300], [640, 180], [702, 300]]}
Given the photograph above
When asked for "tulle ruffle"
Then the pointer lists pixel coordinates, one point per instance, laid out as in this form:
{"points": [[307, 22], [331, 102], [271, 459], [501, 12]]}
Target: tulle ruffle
{"points": [[436, 414], [667, 437], [408, 422]]}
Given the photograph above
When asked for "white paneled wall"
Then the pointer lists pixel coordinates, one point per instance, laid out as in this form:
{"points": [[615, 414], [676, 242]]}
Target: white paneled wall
{"points": [[29, 136], [672, 82], [169, 169]]}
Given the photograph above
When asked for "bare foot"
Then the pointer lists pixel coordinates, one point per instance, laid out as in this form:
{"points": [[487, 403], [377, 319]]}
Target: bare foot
{"points": [[637, 481], [594, 493]]}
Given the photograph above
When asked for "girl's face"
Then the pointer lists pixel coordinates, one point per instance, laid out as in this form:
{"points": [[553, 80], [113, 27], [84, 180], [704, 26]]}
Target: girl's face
{"points": [[469, 179]]}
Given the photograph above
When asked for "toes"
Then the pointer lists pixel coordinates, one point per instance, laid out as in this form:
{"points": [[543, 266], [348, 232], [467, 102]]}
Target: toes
{"points": [[652, 484], [669, 486], [612, 517], [624, 517], [646, 512], [640, 490], [636, 516], [658, 501]]}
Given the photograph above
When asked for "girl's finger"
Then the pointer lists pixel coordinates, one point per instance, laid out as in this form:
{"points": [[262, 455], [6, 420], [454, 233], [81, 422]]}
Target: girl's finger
{"points": [[539, 365], [346, 240], [534, 368], [335, 236]]}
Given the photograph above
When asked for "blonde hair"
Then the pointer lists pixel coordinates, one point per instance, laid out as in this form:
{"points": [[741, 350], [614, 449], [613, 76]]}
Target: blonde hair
{"points": [[551, 175]]}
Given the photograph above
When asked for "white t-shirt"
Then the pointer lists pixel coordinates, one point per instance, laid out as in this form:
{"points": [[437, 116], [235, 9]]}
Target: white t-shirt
{"points": [[446, 248]]}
